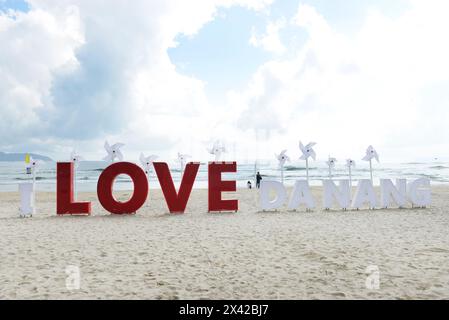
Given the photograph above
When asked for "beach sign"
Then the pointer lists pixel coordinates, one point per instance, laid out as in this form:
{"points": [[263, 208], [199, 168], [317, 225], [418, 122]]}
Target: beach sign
{"points": [[176, 200], [273, 195], [398, 194]]}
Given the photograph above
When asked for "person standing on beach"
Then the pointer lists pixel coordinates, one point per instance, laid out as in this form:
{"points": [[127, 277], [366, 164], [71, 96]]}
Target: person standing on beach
{"points": [[258, 179]]}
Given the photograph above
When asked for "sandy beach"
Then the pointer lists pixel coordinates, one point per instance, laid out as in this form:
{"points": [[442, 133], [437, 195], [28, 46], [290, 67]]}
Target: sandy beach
{"points": [[248, 255]]}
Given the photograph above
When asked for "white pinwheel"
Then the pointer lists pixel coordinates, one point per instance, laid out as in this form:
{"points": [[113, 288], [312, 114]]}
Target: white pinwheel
{"points": [[147, 162], [331, 165], [350, 163], [282, 159], [371, 154], [32, 166], [217, 150], [113, 151], [75, 158], [307, 152]]}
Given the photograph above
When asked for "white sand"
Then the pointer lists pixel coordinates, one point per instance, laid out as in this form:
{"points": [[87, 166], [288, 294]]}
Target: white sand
{"points": [[249, 255]]}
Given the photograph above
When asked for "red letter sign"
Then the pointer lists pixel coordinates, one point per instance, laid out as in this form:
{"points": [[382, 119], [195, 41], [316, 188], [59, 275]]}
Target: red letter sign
{"points": [[176, 202], [217, 186], [106, 182], [64, 192]]}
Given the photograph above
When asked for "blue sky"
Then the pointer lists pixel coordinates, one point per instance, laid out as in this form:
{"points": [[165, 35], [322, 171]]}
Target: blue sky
{"points": [[14, 4], [164, 76], [221, 55]]}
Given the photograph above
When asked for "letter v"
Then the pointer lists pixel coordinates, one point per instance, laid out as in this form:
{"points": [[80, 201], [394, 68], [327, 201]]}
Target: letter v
{"points": [[176, 202]]}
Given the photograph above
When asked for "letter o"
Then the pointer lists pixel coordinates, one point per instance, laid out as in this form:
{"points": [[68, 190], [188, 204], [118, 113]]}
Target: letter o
{"points": [[106, 183]]}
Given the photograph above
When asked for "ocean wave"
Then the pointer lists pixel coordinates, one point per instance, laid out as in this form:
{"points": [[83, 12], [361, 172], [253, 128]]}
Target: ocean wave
{"points": [[439, 167], [30, 179], [292, 168]]}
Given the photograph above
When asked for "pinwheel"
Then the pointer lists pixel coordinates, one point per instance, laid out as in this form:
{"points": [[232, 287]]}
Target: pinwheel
{"points": [[307, 152], [75, 158], [113, 152], [371, 154], [31, 166], [147, 163], [282, 158], [217, 150]]}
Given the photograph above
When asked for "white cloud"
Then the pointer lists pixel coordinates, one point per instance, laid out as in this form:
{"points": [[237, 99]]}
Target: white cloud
{"points": [[383, 86], [270, 40], [36, 44], [77, 70]]}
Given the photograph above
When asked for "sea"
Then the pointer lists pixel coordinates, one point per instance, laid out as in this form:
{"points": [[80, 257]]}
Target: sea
{"points": [[87, 173]]}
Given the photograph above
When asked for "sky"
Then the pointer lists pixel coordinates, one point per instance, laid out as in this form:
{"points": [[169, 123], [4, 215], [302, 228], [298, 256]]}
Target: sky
{"points": [[173, 76]]}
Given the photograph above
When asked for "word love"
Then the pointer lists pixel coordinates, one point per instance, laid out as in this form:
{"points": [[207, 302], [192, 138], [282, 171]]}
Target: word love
{"points": [[417, 193], [176, 201]]}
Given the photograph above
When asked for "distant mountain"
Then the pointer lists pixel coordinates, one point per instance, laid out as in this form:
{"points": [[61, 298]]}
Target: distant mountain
{"points": [[11, 157]]}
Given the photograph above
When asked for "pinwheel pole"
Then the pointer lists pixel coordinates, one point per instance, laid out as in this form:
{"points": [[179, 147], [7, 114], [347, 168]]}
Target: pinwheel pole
{"points": [[350, 176], [282, 174], [33, 172], [75, 189], [74, 159], [307, 151], [350, 163], [255, 172], [282, 158], [331, 165], [370, 154], [182, 168], [307, 169], [182, 160], [146, 163]]}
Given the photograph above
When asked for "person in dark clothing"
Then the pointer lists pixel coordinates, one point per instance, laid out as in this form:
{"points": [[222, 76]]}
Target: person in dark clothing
{"points": [[258, 179]]}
